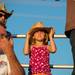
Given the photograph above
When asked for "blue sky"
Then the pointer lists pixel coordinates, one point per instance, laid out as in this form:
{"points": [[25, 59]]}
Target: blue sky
{"points": [[51, 13]]}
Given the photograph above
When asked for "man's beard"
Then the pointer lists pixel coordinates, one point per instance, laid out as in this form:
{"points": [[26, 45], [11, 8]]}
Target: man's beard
{"points": [[3, 23]]}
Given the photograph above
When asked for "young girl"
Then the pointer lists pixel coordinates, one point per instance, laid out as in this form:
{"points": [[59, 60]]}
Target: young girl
{"points": [[37, 47]]}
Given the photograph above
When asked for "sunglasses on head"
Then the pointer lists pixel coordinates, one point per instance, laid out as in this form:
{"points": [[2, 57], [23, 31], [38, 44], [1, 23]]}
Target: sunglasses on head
{"points": [[2, 15]]}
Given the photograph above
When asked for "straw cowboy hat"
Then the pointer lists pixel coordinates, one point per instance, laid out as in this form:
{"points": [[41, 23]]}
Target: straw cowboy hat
{"points": [[39, 26], [4, 11]]}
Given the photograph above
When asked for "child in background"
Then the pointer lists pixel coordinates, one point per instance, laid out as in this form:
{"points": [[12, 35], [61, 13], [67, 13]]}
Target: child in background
{"points": [[37, 47]]}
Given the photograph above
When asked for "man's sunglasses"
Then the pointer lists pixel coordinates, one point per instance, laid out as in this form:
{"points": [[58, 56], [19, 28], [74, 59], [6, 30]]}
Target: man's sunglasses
{"points": [[2, 15]]}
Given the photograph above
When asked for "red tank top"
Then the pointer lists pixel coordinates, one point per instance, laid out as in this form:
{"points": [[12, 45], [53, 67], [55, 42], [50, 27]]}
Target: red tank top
{"points": [[39, 60]]}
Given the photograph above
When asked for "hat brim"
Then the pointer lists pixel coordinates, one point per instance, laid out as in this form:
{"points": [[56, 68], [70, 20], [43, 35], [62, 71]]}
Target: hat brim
{"points": [[44, 29], [7, 14]]}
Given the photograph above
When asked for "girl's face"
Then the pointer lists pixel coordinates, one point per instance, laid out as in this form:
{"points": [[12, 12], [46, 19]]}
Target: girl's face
{"points": [[39, 35]]}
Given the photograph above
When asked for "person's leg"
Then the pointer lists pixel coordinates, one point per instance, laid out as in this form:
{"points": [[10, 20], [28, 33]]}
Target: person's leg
{"points": [[72, 41], [40, 74], [29, 71]]}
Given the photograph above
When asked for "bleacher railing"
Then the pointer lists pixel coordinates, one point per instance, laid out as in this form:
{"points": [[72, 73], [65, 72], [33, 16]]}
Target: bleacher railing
{"points": [[52, 66]]}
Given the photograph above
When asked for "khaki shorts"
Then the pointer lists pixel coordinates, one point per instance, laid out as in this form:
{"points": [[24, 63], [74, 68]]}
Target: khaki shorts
{"points": [[4, 65]]}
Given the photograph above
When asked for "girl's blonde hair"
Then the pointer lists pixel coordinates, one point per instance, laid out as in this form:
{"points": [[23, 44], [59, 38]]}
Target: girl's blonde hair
{"points": [[32, 40]]}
